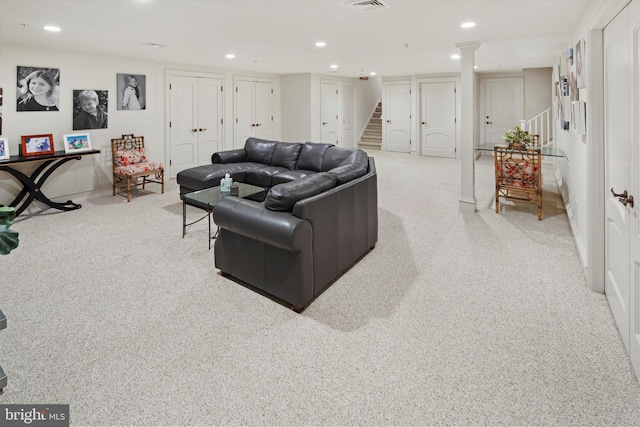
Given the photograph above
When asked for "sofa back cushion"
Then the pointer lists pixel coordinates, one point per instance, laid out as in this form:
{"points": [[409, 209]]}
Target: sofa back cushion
{"points": [[334, 156], [283, 197], [260, 150], [354, 166], [312, 155], [286, 155]]}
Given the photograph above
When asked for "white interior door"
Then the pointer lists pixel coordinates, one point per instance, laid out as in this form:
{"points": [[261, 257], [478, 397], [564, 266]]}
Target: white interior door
{"points": [[634, 189], [196, 111], [183, 138], [244, 100], [396, 111], [502, 101], [622, 226], [263, 113], [347, 115], [438, 119], [329, 126], [210, 113]]}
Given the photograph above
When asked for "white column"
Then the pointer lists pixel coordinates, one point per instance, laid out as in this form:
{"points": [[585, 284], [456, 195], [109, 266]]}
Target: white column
{"points": [[467, 118]]}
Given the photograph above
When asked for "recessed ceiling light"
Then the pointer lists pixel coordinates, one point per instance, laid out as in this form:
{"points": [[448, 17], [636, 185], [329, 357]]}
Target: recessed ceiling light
{"points": [[468, 25], [52, 28], [230, 56], [455, 56], [475, 67], [320, 44], [373, 73], [334, 66]]}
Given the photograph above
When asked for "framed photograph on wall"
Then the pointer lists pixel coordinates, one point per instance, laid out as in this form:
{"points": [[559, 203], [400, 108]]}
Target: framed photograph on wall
{"points": [[38, 89], [131, 91], [76, 142], [4, 148], [37, 145], [90, 109]]}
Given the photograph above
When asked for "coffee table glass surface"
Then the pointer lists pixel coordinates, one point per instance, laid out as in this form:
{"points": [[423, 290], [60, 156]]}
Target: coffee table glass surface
{"points": [[209, 197]]}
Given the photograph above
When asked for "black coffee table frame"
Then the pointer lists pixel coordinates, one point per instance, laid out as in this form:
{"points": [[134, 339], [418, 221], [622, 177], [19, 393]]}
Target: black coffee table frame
{"points": [[208, 198]]}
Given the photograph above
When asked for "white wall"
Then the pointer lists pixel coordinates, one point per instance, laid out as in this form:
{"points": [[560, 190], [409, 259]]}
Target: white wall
{"points": [[88, 71], [296, 107]]}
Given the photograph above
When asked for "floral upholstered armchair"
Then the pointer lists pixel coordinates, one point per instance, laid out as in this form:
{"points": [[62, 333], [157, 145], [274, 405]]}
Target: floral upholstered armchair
{"points": [[130, 164], [518, 175]]}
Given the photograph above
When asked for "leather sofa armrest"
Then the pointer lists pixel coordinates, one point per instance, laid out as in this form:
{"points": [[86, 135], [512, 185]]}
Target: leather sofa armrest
{"points": [[229, 156], [253, 220]]}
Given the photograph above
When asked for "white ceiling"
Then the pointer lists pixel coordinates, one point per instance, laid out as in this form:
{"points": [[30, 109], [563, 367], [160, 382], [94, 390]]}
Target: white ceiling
{"points": [[277, 36]]}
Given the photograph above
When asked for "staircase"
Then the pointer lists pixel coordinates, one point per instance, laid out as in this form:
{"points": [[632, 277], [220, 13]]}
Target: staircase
{"points": [[372, 136]]}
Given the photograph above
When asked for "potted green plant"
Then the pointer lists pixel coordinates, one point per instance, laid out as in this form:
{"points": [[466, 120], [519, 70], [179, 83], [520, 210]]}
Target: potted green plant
{"points": [[517, 138]]}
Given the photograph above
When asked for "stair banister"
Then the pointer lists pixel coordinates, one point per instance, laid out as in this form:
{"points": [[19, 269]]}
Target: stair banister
{"points": [[539, 124]]}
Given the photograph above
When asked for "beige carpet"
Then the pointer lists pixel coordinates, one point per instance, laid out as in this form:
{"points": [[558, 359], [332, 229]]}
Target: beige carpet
{"points": [[477, 319]]}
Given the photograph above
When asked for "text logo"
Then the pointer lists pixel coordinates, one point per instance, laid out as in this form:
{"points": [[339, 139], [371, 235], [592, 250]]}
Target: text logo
{"points": [[34, 415]]}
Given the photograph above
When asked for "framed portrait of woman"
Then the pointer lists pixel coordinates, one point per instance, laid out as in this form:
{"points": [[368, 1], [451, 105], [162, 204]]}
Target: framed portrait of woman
{"points": [[131, 91], [38, 89]]}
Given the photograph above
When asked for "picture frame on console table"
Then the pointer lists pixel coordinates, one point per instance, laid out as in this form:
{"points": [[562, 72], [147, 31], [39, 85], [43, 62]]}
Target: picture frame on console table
{"points": [[4, 148], [76, 142], [37, 145]]}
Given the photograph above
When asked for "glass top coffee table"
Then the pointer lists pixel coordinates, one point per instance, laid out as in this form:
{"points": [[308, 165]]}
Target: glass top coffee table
{"points": [[208, 198]]}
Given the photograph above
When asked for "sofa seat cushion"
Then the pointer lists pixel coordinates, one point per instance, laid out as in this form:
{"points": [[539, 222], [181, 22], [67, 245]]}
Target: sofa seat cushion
{"points": [[286, 154], [262, 177], [260, 150], [311, 156], [288, 176], [138, 168], [283, 197], [206, 176]]}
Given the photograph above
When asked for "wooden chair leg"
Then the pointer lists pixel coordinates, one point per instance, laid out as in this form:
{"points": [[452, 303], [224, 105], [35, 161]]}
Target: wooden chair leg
{"points": [[497, 201], [128, 188], [162, 179]]}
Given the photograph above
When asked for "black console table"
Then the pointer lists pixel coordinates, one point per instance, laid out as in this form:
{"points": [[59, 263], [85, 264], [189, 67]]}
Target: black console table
{"points": [[3, 377], [32, 184]]}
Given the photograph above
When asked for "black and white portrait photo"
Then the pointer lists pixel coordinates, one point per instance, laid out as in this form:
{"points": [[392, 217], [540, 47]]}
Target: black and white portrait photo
{"points": [[90, 109], [131, 91], [38, 89]]}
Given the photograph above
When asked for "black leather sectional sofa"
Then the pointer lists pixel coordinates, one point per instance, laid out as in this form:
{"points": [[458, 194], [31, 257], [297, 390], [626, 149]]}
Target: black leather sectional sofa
{"points": [[319, 216]]}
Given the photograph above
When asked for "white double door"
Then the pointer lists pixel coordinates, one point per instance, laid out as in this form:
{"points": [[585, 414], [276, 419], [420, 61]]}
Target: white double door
{"points": [[253, 109], [622, 164], [336, 112], [196, 120]]}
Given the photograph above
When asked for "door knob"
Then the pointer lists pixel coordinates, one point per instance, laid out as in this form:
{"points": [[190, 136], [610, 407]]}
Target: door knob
{"points": [[258, 124], [489, 123], [324, 123], [388, 121], [201, 129], [424, 123], [623, 197], [253, 125], [194, 130]]}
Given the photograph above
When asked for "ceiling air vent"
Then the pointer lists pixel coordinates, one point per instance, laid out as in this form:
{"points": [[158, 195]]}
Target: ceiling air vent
{"points": [[367, 5]]}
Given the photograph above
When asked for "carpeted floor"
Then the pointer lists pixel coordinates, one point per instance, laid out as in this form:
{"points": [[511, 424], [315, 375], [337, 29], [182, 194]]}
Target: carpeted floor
{"points": [[453, 319]]}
